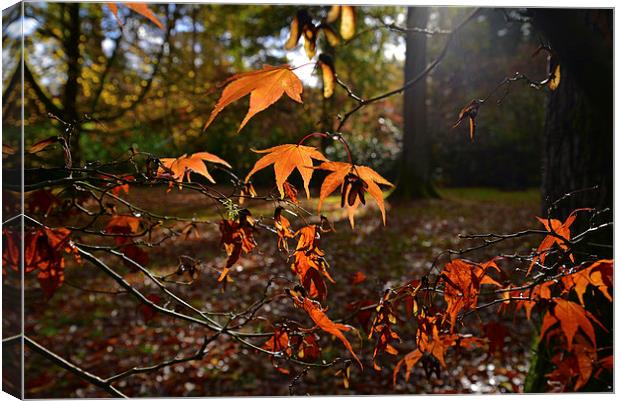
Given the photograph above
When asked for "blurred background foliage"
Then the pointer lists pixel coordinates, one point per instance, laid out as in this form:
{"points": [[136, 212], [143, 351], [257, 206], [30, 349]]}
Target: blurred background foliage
{"points": [[153, 90]]}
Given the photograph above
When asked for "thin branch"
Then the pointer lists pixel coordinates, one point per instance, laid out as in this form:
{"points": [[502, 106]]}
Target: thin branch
{"points": [[60, 361]]}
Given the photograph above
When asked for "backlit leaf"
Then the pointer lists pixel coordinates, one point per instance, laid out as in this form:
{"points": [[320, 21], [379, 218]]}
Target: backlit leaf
{"points": [[264, 86], [286, 158]]}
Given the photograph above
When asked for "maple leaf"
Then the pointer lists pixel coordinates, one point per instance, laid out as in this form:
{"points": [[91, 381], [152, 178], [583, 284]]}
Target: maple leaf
{"points": [[290, 192], [463, 280], [309, 263], [324, 323], [279, 342], [265, 87], [286, 158], [470, 111], [560, 229], [283, 228], [140, 8], [353, 180], [576, 365], [599, 275], [43, 251], [182, 167], [571, 317], [381, 328], [430, 341], [127, 227], [123, 225], [237, 237]]}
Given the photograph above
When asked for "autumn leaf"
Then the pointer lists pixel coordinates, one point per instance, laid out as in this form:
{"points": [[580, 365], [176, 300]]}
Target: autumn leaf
{"points": [[333, 14], [347, 22], [571, 317], [310, 33], [309, 263], [286, 158], [43, 252], [140, 8], [357, 278], [127, 227], [237, 237], [576, 365], [560, 234], [279, 342], [300, 21], [264, 86], [324, 323], [182, 167], [410, 360], [42, 144], [554, 81], [283, 229], [8, 149], [470, 111], [598, 275], [290, 192], [385, 319], [430, 341], [354, 181], [328, 73], [463, 280]]}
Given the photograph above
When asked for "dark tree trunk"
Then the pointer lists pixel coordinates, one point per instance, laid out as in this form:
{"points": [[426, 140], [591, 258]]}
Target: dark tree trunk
{"points": [[578, 143], [415, 165], [578, 138], [72, 87]]}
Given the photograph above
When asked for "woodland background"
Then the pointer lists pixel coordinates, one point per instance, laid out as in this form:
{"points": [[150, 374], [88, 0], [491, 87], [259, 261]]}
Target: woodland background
{"points": [[142, 88]]}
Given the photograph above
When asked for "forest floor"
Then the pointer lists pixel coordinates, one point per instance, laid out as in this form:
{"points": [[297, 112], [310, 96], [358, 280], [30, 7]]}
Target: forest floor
{"points": [[97, 326]]}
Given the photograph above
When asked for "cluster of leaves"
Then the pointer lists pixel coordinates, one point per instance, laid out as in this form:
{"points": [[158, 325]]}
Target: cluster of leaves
{"points": [[555, 283]]}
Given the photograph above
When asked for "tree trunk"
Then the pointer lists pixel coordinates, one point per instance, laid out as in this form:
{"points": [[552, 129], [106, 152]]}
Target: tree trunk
{"points": [[72, 87], [578, 142], [578, 136], [415, 165]]}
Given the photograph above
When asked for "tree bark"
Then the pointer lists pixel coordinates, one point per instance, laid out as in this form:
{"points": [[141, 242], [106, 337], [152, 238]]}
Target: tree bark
{"points": [[578, 143], [415, 164], [72, 87], [578, 134]]}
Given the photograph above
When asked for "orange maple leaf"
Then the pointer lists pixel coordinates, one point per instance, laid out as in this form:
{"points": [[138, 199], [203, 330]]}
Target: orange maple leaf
{"points": [[558, 229], [599, 275], [265, 87], [317, 315], [286, 158], [182, 166], [354, 181], [576, 365], [309, 263], [237, 236], [140, 8], [463, 280], [571, 317], [283, 228]]}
